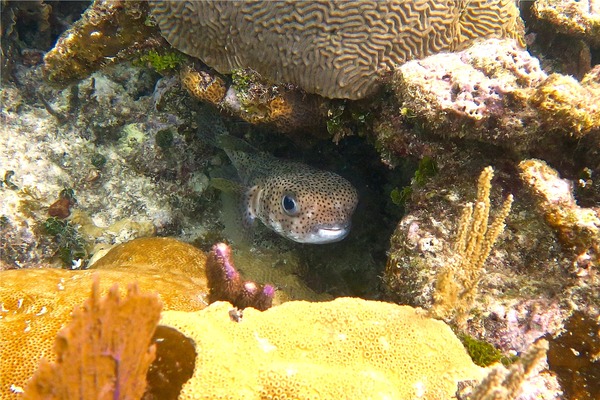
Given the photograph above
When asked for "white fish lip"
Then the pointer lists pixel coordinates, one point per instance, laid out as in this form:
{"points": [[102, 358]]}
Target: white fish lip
{"points": [[332, 235], [328, 234]]}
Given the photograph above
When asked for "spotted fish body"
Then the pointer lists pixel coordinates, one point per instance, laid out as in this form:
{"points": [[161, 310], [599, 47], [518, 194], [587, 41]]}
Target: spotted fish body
{"points": [[299, 202]]}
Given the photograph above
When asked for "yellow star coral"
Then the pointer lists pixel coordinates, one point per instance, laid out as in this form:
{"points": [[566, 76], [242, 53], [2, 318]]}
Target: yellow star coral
{"points": [[347, 348]]}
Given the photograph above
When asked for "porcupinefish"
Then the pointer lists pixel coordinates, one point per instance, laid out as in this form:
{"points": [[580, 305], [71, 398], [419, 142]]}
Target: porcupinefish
{"points": [[301, 203]]}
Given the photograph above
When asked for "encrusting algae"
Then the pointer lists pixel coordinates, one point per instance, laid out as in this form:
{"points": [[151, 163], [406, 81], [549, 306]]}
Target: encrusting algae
{"points": [[578, 227]]}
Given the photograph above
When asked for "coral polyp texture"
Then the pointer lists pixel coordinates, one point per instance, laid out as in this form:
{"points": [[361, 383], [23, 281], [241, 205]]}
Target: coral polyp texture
{"points": [[333, 48], [104, 352], [254, 100], [347, 348], [37, 302], [578, 18], [203, 85], [184, 278]]}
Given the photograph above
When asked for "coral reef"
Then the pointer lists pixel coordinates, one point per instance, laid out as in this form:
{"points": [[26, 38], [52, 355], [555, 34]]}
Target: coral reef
{"points": [[105, 30], [250, 98], [97, 356], [516, 381], [343, 45], [32, 314], [104, 148], [130, 145], [534, 278], [496, 93], [517, 291], [576, 18], [577, 227], [347, 348], [457, 283], [183, 276]]}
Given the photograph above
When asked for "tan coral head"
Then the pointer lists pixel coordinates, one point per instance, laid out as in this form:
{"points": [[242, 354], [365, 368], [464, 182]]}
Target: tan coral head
{"points": [[336, 49]]}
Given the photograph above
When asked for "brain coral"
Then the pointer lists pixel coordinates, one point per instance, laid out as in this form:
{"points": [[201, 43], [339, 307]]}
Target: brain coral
{"points": [[332, 48], [348, 348]]}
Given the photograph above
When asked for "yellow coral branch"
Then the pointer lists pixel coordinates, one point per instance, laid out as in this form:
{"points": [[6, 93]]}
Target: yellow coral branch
{"points": [[457, 282]]}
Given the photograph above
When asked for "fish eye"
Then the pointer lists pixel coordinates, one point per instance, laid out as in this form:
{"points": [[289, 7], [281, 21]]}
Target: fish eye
{"points": [[289, 204]]}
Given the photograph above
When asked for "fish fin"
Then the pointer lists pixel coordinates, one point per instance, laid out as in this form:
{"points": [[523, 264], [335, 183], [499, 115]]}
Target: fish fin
{"points": [[231, 143], [226, 180], [226, 185], [211, 126], [250, 204]]}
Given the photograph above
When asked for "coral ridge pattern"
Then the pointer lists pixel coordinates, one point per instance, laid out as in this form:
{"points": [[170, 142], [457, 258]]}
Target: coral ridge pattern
{"points": [[333, 48]]}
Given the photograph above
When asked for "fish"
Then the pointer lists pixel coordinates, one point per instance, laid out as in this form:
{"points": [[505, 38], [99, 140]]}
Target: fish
{"points": [[297, 201]]}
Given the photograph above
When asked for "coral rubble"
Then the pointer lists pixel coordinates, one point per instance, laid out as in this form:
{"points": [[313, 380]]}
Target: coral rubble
{"points": [[347, 348]]}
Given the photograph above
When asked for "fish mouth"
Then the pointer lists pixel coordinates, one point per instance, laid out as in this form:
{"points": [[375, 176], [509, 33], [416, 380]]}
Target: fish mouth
{"points": [[327, 234]]}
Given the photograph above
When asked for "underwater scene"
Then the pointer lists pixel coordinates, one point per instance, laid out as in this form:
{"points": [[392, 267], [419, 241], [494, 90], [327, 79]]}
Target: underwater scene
{"points": [[325, 199]]}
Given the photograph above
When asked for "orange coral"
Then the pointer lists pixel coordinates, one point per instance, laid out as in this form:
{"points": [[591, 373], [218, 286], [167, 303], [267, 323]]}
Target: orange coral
{"points": [[36, 303], [203, 86], [279, 108], [294, 109], [104, 352], [32, 314]]}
